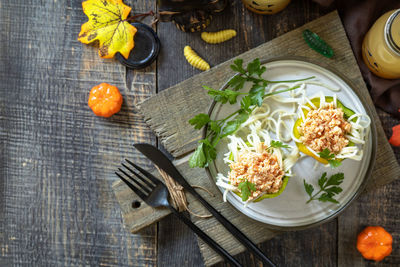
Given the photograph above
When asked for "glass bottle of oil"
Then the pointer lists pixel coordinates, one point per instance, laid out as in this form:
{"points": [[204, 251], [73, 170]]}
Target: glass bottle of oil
{"points": [[381, 46]]}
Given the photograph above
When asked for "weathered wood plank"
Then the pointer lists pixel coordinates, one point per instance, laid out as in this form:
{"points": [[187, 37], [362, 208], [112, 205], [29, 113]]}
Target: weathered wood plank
{"points": [[57, 158]]}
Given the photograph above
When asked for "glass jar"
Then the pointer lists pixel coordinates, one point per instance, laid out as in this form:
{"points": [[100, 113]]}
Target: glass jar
{"points": [[265, 7], [381, 46]]}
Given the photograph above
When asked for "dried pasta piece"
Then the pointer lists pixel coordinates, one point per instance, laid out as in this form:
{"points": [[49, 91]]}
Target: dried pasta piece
{"points": [[218, 37], [194, 59]]}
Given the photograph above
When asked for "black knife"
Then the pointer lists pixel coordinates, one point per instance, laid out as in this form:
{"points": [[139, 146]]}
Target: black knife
{"points": [[162, 161]]}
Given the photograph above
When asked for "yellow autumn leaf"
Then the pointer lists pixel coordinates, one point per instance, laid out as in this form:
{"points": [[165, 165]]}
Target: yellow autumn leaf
{"points": [[107, 24]]}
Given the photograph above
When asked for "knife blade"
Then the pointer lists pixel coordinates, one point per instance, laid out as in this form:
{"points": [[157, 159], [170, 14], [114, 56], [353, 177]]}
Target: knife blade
{"points": [[163, 162]]}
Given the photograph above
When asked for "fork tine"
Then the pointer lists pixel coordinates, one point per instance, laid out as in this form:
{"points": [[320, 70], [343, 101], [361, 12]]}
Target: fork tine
{"points": [[141, 186], [146, 173], [140, 177], [131, 186]]}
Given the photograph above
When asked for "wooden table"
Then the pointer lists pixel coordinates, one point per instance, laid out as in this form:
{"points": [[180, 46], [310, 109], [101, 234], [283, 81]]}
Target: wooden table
{"points": [[57, 159]]}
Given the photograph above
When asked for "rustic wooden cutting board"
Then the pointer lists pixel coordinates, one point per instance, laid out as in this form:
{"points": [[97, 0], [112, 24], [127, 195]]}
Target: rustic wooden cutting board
{"points": [[167, 114]]}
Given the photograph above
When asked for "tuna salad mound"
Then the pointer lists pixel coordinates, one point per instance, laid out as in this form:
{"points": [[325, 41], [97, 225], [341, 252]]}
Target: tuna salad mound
{"points": [[261, 169], [325, 128]]}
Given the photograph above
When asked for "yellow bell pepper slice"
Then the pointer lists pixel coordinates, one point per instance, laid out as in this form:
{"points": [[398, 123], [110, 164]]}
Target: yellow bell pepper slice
{"points": [[316, 101]]}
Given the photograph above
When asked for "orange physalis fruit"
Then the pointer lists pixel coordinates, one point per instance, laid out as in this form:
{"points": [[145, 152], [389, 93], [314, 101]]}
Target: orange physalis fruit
{"points": [[374, 243], [105, 100]]}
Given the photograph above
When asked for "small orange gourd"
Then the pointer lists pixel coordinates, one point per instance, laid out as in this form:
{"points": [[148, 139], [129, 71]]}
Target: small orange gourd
{"points": [[395, 139], [105, 100], [374, 243]]}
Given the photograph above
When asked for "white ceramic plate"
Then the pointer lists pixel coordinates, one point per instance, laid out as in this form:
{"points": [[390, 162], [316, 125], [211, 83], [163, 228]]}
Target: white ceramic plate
{"points": [[289, 210]]}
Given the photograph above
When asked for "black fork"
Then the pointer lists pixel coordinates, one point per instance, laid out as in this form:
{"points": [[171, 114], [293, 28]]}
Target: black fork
{"points": [[155, 194]]}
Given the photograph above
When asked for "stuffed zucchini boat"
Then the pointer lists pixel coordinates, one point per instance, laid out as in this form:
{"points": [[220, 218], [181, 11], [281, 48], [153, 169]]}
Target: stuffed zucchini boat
{"points": [[259, 167], [329, 131]]}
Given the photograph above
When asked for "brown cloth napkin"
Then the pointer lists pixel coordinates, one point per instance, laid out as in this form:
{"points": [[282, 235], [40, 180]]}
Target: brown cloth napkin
{"points": [[358, 17]]}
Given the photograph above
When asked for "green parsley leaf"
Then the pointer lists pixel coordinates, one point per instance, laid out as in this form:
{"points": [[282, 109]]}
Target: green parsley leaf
{"points": [[334, 190], [257, 99], [261, 71], [322, 180], [335, 179], [198, 158], [199, 120], [326, 197], [278, 144], [281, 91], [309, 188], [326, 154], [223, 96], [257, 93], [334, 163], [237, 82], [328, 187], [230, 128], [214, 126], [204, 153], [242, 116], [254, 67], [209, 151], [256, 88], [238, 66], [246, 103], [246, 188]]}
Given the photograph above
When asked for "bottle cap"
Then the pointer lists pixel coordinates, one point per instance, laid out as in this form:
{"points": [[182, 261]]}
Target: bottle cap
{"points": [[146, 49]]}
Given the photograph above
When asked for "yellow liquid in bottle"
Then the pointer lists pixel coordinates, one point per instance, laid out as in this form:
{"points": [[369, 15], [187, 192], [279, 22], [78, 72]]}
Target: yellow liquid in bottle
{"points": [[378, 54]]}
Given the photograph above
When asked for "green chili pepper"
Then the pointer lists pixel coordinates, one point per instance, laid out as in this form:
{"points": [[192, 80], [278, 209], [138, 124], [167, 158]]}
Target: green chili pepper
{"points": [[316, 43]]}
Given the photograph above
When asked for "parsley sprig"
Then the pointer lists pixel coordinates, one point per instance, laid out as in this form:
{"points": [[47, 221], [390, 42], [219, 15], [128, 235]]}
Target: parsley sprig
{"points": [[278, 144], [328, 187], [246, 188], [218, 129], [330, 157]]}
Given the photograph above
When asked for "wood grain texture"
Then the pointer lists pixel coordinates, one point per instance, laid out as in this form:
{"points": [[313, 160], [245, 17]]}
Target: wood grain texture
{"points": [[57, 158]]}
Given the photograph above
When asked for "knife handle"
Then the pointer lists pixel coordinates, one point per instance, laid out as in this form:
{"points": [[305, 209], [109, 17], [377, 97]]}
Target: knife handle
{"points": [[214, 245], [242, 238]]}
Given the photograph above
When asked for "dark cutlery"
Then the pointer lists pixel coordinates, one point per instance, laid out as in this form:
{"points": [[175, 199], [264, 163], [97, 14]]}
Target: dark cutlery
{"points": [[162, 161], [155, 194]]}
